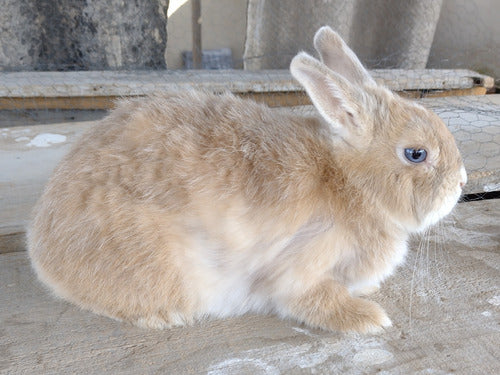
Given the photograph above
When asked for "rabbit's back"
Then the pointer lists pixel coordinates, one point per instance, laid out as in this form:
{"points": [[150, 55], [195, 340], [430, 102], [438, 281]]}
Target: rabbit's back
{"points": [[196, 140]]}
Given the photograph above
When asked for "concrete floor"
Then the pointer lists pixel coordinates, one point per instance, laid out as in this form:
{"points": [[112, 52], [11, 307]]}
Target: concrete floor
{"points": [[444, 304]]}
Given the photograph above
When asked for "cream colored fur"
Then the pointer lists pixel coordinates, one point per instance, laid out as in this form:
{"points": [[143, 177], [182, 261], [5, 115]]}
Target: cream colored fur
{"points": [[176, 208]]}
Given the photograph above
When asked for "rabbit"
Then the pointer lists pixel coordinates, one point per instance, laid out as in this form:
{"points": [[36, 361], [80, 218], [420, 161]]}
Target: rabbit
{"points": [[177, 208]]}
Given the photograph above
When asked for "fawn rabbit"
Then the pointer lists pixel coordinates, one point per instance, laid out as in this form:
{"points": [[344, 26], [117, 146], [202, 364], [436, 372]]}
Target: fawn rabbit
{"points": [[175, 208]]}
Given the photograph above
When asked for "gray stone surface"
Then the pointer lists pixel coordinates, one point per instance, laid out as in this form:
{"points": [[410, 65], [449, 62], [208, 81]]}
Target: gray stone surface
{"points": [[82, 34], [394, 33], [384, 33], [277, 30], [19, 40]]}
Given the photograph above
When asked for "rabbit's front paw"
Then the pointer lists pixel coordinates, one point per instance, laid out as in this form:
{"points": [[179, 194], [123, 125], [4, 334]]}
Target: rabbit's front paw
{"points": [[360, 315], [153, 322], [330, 306], [365, 291], [163, 320]]}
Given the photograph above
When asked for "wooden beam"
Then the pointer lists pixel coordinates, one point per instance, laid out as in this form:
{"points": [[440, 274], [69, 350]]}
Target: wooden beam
{"points": [[272, 99], [12, 239], [68, 102], [133, 83], [420, 94]]}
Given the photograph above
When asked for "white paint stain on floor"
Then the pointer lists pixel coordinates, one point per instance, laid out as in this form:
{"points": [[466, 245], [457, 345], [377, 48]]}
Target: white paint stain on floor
{"points": [[491, 187], [495, 301], [330, 354], [370, 357], [304, 331], [46, 140]]}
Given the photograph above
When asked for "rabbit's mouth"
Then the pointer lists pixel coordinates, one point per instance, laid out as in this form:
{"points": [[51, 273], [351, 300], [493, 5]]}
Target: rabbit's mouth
{"points": [[444, 209]]}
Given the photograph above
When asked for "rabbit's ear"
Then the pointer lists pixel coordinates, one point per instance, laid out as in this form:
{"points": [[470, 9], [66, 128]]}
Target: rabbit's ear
{"points": [[333, 96], [337, 56]]}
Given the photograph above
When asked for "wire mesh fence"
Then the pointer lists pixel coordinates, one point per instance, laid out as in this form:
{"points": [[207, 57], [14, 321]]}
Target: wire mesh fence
{"points": [[475, 124], [67, 35]]}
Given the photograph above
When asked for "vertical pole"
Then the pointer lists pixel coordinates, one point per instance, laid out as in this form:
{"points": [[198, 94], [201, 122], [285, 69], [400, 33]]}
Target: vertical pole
{"points": [[196, 30]]}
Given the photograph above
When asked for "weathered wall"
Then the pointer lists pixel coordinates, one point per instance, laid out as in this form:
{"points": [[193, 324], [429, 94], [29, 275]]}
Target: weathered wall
{"points": [[394, 33], [18, 35], [117, 34], [82, 34], [468, 36], [384, 34], [276, 30]]}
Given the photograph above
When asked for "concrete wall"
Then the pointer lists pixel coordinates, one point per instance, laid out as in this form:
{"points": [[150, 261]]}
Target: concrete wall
{"points": [[223, 25], [116, 34], [82, 35], [384, 34], [468, 36]]}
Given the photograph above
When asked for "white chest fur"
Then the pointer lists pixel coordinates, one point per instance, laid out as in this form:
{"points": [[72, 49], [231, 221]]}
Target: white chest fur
{"points": [[367, 274]]}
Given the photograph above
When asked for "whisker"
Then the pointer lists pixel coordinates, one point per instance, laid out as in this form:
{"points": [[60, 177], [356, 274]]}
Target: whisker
{"points": [[412, 281]]}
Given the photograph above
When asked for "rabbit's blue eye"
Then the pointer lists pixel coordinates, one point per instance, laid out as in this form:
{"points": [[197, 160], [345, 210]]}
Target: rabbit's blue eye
{"points": [[415, 155]]}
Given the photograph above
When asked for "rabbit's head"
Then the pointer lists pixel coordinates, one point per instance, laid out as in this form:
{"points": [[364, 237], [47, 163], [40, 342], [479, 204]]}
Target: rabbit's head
{"points": [[399, 155]]}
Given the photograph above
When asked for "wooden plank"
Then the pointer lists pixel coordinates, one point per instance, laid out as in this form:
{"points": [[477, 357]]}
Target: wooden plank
{"points": [[455, 92], [25, 169], [272, 99], [420, 94], [136, 83], [73, 102], [444, 304], [12, 238], [432, 79], [100, 89]]}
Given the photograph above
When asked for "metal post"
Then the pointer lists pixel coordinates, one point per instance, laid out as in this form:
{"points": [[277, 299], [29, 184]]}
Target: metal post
{"points": [[196, 30]]}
